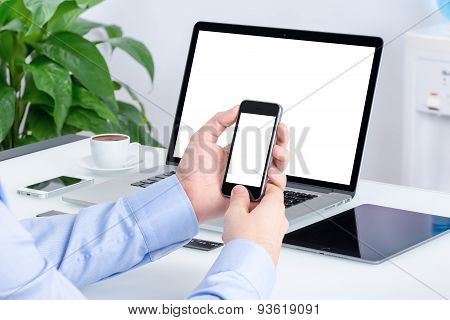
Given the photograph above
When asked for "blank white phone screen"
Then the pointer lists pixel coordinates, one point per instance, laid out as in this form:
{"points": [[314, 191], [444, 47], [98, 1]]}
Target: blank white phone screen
{"points": [[250, 149]]}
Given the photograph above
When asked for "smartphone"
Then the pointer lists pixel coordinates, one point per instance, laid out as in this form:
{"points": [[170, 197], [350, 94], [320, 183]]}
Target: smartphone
{"points": [[55, 186], [50, 213], [251, 148]]}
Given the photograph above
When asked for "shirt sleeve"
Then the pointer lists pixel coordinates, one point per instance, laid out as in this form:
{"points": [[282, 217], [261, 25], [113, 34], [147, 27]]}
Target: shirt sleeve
{"points": [[243, 270], [108, 239], [24, 273]]}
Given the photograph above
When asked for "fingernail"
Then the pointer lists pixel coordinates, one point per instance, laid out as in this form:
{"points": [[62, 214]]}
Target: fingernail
{"points": [[239, 189]]}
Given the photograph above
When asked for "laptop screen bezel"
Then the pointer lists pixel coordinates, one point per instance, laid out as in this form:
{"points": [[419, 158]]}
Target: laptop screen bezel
{"points": [[356, 40]]}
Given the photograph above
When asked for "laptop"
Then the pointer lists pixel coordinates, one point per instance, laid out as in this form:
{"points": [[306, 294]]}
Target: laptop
{"points": [[325, 83]]}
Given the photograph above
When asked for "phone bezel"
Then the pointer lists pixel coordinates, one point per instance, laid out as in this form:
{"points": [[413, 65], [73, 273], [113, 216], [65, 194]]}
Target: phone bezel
{"points": [[25, 191], [260, 108]]}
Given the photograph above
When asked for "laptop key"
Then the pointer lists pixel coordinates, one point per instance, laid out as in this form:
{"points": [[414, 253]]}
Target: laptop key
{"points": [[137, 184], [145, 185], [146, 182], [203, 245], [292, 198]]}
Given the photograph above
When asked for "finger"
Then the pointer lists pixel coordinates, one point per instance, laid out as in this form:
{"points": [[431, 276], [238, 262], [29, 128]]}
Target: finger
{"points": [[273, 193], [280, 157], [280, 153], [277, 177], [272, 201], [227, 148], [217, 124], [240, 200], [282, 135]]}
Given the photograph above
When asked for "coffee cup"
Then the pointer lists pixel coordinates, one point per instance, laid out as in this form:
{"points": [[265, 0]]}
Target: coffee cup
{"points": [[111, 150]]}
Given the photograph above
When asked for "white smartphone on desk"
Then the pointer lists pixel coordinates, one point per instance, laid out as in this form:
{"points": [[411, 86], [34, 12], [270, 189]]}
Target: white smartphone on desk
{"points": [[54, 186]]}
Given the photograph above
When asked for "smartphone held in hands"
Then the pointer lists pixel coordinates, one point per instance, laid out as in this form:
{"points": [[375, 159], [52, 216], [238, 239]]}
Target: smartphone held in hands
{"points": [[251, 149]]}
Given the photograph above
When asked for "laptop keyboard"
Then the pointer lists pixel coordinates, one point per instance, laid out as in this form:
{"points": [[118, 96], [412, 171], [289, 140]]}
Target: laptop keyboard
{"points": [[291, 198], [146, 182]]}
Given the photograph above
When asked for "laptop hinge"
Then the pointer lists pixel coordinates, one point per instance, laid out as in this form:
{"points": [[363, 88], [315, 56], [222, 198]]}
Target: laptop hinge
{"points": [[171, 163]]}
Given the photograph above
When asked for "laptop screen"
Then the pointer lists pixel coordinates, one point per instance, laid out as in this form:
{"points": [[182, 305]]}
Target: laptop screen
{"points": [[322, 87]]}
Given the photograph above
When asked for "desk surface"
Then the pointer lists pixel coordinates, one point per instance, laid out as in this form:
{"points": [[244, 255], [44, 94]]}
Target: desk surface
{"points": [[422, 273]]}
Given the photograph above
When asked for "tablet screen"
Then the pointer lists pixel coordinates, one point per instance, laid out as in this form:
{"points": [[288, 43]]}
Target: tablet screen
{"points": [[368, 232]]}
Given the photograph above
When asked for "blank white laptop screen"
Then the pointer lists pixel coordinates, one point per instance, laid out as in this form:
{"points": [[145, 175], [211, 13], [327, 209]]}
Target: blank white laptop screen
{"points": [[321, 86]]}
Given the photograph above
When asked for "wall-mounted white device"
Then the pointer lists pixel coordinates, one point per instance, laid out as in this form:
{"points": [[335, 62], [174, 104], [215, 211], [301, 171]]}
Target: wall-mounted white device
{"points": [[426, 120]]}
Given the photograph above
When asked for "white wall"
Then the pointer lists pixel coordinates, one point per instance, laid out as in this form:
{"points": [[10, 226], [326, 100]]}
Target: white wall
{"points": [[166, 26]]}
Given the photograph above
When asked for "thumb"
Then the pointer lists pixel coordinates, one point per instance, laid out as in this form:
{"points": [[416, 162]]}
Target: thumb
{"points": [[217, 124], [240, 199]]}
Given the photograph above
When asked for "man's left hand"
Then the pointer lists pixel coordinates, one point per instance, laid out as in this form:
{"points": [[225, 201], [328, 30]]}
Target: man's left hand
{"points": [[203, 164]]}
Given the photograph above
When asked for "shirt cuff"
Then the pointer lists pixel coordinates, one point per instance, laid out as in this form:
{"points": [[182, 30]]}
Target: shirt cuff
{"points": [[251, 261], [164, 214]]}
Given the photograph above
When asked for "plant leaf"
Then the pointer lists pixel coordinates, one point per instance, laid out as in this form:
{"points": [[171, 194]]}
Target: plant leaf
{"points": [[55, 81], [69, 129], [13, 25], [87, 120], [64, 16], [34, 96], [86, 63], [88, 3], [13, 9], [4, 11], [145, 138], [82, 26], [2, 73], [42, 10], [13, 51], [83, 98], [6, 45], [113, 31], [131, 123], [137, 50], [40, 123], [7, 110], [26, 140], [131, 93], [129, 112], [117, 85]]}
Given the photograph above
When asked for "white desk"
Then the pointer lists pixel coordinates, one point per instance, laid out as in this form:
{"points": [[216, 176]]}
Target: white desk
{"points": [[301, 275]]}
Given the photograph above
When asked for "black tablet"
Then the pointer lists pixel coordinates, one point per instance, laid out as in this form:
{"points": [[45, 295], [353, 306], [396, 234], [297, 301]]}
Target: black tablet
{"points": [[368, 233]]}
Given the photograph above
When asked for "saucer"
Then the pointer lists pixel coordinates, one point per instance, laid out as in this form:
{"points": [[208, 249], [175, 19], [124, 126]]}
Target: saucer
{"points": [[89, 164]]}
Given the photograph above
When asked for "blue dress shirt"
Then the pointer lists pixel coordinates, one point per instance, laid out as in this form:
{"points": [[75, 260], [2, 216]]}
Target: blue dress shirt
{"points": [[51, 257]]}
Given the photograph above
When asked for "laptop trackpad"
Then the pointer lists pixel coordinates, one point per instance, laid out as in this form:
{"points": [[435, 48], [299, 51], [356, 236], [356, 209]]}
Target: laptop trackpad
{"points": [[101, 193]]}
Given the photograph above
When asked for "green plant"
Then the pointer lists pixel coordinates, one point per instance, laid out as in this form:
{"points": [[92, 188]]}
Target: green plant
{"points": [[54, 81]]}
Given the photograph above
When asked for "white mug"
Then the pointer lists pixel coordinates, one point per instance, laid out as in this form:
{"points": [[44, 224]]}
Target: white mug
{"points": [[111, 150]]}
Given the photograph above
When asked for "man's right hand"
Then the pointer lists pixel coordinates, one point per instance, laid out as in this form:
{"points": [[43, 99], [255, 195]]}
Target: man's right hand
{"points": [[266, 224]]}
